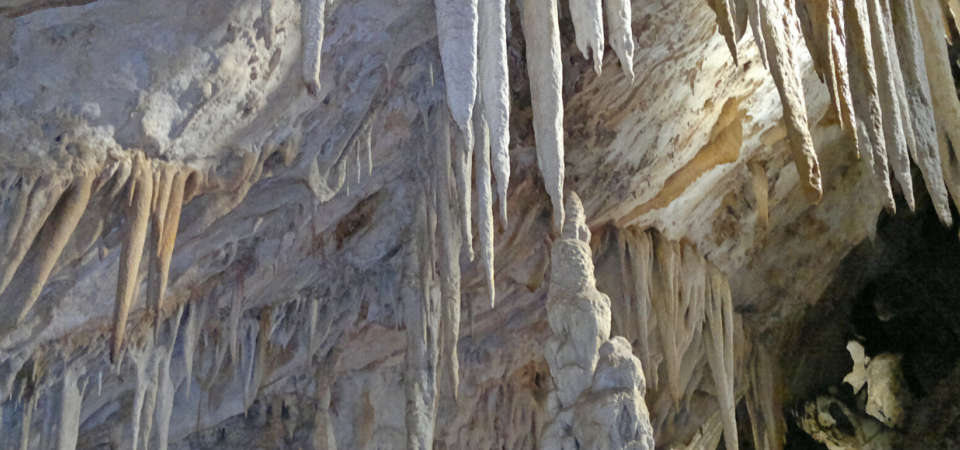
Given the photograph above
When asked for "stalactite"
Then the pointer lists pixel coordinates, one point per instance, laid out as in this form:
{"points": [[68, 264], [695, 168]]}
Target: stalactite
{"points": [[312, 42], [753, 13], [14, 196], [141, 359], [848, 119], [719, 343], [149, 407], [70, 400], [462, 165], [678, 301], [457, 31], [814, 16], [369, 151], [896, 144], [786, 75], [26, 420], [421, 320], [620, 26], [919, 101], [137, 218], [190, 335], [760, 187], [637, 274], [588, 27], [866, 100], [449, 255], [485, 203], [125, 168], [542, 33], [163, 183], [763, 401], [949, 16], [494, 88], [165, 389], [725, 10], [324, 437], [53, 238], [40, 202], [946, 106], [898, 83], [13, 215]]}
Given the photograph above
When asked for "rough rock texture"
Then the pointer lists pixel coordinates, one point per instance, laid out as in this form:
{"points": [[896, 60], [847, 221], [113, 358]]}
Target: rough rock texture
{"points": [[185, 262]]}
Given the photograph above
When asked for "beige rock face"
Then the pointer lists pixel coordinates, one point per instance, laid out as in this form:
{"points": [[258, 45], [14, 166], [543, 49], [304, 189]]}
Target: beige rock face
{"points": [[189, 164]]}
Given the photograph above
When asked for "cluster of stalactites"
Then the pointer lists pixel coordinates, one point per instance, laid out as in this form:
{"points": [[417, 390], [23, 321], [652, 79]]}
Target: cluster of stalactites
{"points": [[887, 71], [674, 297], [43, 212], [598, 401], [473, 50]]}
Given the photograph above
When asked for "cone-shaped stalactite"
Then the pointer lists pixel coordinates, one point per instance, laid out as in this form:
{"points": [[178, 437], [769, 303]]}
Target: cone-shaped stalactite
{"points": [[718, 338], [619, 23], [946, 106], [139, 198], [457, 31], [50, 242], [588, 26], [786, 75], [312, 42], [892, 121], [920, 103], [866, 98], [542, 34], [725, 10]]}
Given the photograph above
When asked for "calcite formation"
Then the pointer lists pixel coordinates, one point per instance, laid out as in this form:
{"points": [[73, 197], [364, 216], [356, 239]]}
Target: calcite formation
{"points": [[598, 401], [202, 149]]}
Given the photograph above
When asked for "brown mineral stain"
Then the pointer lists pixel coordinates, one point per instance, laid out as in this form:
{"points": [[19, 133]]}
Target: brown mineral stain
{"points": [[726, 137]]}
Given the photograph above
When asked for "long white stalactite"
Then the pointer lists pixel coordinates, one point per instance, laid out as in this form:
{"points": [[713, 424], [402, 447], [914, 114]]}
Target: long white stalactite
{"points": [[485, 202], [494, 81], [542, 33], [588, 26], [457, 28], [312, 42], [619, 22]]}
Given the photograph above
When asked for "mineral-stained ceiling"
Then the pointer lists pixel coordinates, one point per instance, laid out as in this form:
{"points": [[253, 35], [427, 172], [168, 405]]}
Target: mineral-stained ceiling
{"points": [[252, 223]]}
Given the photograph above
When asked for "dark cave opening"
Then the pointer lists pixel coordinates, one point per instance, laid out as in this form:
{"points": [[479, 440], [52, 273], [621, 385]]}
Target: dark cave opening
{"points": [[898, 293]]}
